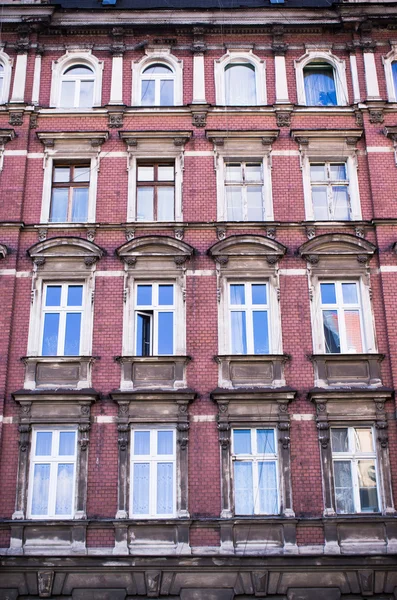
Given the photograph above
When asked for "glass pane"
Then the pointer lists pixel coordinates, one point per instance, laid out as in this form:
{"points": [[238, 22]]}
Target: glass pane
{"points": [[140, 496], [328, 293], [394, 73], [237, 293], [41, 484], [145, 173], [147, 92], [165, 203], [353, 331], [317, 173], [261, 332], [242, 441], [254, 203], [143, 335], [64, 495], [67, 94], [367, 485], [363, 439], [319, 85], [86, 94], [166, 295], [43, 443], [234, 172], [144, 208], [243, 488], [75, 295], [53, 295], [165, 488], [239, 332], [72, 334], [240, 85], [267, 488], [339, 440], [253, 172], [61, 174], [265, 441], [166, 333], [338, 172], [343, 487], [341, 204], [78, 70], [79, 205], [167, 92], [331, 331], [349, 293], [141, 443], [158, 69], [59, 205], [165, 442], [165, 173], [67, 443], [320, 203], [234, 203], [259, 293], [144, 295], [50, 334], [82, 173]]}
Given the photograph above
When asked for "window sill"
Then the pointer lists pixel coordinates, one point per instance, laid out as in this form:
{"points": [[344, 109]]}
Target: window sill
{"points": [[48, 372], [140, 372], [264, 370], [353, 370]]}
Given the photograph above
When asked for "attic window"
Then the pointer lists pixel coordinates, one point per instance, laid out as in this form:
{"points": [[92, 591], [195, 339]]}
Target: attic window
{"points": [[276, 1]]}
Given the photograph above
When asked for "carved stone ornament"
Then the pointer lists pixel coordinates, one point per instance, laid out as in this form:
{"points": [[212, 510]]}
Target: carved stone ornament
{"points": [[259, 579], [313, 259], [115, 120], [84, 429], [16, 118], [221, 233], [383, 437], [24, 437], [179, 233], [360, 232], [222, 260], [123, 409], [25, 409], [199, 119], [376, 115], [153, 580], [224, 434], [180, 260], [359, 118], [123, 436], [130, 261], [42, 234], [183, 437], [272, 259], [91, 235], [323, 433], [366, 579], [284, 438], [310, 232], [271, 232], [45, 580], [283, 119], [33, 121], [85, 410], [89, 261], [39, 261], [362, 258], [129, 234]]}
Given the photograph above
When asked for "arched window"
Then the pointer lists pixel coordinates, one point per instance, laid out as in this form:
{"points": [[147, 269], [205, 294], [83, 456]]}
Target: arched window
{"points": [[240, 84], [1, 79], [157, 85], [319, 80], [394, 75], [77, 87], [5, 76]]}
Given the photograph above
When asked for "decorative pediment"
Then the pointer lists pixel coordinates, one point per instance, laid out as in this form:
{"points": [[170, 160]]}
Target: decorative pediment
{"points": [[155, 248], [65, 249], [247, 246], [3, 251], [336, 246]]}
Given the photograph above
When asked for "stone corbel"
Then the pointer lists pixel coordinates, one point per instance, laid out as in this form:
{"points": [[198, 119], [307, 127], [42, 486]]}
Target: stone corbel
{"points": [[391, 132], [303, 146], [23, 466], [6, 135], [82, 471]]}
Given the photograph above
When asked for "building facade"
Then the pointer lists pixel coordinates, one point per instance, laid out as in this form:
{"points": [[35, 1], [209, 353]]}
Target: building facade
{"points": [[198, 274]]}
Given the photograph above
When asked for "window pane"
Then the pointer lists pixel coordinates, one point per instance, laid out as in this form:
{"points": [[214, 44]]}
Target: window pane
{"points": [[242, 441], [72, 334], [267, 488], [265, 441], [343, 487], [50, 334], [243, 488], [67, 94], [143, 341], [353, 331], [317, 173], [320, 203], [75, 295], [328, 293], [165, 442], [167, 92], [341, 205], [261, 332], [64, 497], [41, 484], [144, 295], [166, 295], [141, 443], [259, 293], [82, 173], [43, 443], [59, 205], [394, 73], [61, 174], [338, 172], [78, 70], [145, 173], [67, 443], [349, 293], [147, 93], [331, 331], [158, 69], [79, 205], [53, 295], [166, 333], [234, 202], [367, 485], [234, 172], [240, 85], [86, 94], [165, 203], [254, 203], [363, 439], [237, 293], [140, 496], [340, 440], [319, 85], [144, 208], [239, 333], [253, 172], [165, 488], [165, 173]]}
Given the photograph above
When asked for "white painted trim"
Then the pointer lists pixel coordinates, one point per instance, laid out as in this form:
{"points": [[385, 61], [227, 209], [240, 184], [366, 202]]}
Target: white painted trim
{"points": [[379, 149], [7, 63], [74, 57], [109, 273], [198, 79], [339, 67], [161, 55], [388, 269], [239, 56], [105, 419], [292, 272], [9, 420], [282, 95], [15, 153], [203, 418], [387, 64], [18, 89], [116, 86], [371, 76], [8, 271], [201, 272], [355, 80], [22, 274], [285, 152], [36, 80], [199, 153], [302, 417]]}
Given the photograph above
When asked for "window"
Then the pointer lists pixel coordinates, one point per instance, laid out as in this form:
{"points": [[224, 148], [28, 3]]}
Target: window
{"points": [[153, 473], [155, 307], [52, 473], [390, 66], [1, 80], [157, 85], [62, 319], [76, 80], [240, 84], [244, 193], [254, 456], [341, 317], [240, 79], [321, 79], [394, 74], [320, 87], [70, 193], [5, 76], [355, 470], [249, 310], [155, 191], [330, 191], [77, 87]]}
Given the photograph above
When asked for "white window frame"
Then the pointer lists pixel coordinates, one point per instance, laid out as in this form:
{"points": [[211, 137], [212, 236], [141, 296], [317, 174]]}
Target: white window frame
{"points": [[329, 183], [133, 164], [155, 308], [71, 59], [7, 64], [53, 460], [240, 57], [157, 78], [152, 57], [244, 187], [248, 308], [354, 456], [339, 67], [62, 310], [388, 61], [255, 458], [153, 459]]}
